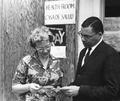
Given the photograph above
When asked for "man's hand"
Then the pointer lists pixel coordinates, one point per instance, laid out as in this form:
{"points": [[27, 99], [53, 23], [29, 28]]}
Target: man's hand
{"points": [[70, 90]]}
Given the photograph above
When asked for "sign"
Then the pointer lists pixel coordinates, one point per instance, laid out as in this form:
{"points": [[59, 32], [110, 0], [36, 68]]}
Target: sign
{"points": [[60, 12], [59, 34], [59, 40]]}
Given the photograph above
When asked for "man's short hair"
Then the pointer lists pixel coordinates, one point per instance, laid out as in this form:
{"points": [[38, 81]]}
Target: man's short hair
{"points": [[95, 23]]}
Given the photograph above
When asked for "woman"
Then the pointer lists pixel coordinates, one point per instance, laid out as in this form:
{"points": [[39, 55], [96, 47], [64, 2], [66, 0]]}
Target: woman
{"points": [[38, 75]]}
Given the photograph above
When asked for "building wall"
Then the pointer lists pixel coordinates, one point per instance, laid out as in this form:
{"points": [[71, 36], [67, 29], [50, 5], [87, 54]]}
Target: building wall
{"points": [[1, 51], [17, 19]]}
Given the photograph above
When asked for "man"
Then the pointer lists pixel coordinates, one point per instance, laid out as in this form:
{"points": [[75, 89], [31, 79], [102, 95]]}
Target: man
{"points": [[98, 70]]}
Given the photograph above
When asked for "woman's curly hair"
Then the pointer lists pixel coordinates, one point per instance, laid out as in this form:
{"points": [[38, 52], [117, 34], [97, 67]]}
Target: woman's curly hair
{"points": [[40, 34]]}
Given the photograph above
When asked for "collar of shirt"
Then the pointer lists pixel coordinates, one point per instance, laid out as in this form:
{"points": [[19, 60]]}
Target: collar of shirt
{"points": [[93, 48]]}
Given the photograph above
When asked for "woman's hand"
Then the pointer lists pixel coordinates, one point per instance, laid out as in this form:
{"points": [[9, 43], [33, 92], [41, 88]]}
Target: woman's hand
{"points": [[33, 87], [21, 88]]}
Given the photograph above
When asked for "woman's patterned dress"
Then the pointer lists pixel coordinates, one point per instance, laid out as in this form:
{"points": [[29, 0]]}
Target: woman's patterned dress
{"points": [[30, 70]]}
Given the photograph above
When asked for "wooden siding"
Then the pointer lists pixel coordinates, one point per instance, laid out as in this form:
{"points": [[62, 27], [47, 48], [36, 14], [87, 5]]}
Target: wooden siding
{"points": [[1, 51], [17, 19]]}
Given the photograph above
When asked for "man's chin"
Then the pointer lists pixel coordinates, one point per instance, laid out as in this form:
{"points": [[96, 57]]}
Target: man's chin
{"points": [[87, 46]]}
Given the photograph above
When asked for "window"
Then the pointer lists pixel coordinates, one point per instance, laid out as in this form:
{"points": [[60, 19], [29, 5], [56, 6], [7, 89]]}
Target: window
{"points": [[112, 8]]}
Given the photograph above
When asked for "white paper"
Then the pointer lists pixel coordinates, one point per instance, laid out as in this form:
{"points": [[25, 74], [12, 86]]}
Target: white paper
{"points": [[58, 51]]}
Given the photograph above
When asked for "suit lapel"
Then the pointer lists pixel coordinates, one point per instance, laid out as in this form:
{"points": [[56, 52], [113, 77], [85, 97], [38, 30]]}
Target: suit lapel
{"points": [[96, 52], [81, 58]]}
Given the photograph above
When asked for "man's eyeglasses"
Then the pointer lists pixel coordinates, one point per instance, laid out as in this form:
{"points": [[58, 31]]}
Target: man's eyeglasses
{"points": [[85, 36]]}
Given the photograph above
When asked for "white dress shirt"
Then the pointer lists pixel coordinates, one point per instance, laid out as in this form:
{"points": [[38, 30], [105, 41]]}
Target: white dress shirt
{"points": [[92, 49]]}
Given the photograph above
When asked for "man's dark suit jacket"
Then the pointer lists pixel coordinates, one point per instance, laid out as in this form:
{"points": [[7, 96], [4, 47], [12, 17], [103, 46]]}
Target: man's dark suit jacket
{"points": [[99, 78]]}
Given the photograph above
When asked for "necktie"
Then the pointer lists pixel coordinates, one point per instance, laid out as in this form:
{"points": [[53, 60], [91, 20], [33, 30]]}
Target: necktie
{"points": [[87, 55]]}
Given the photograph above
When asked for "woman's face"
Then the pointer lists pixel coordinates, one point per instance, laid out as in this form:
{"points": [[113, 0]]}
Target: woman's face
{"points": [[43, 48]]}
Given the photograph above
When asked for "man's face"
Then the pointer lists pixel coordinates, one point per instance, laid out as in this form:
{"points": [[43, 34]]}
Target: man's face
{"points": [[89, 38]]}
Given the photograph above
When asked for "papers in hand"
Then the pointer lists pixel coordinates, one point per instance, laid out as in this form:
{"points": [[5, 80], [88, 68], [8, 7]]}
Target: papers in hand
{"points": [[65, 88]]}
